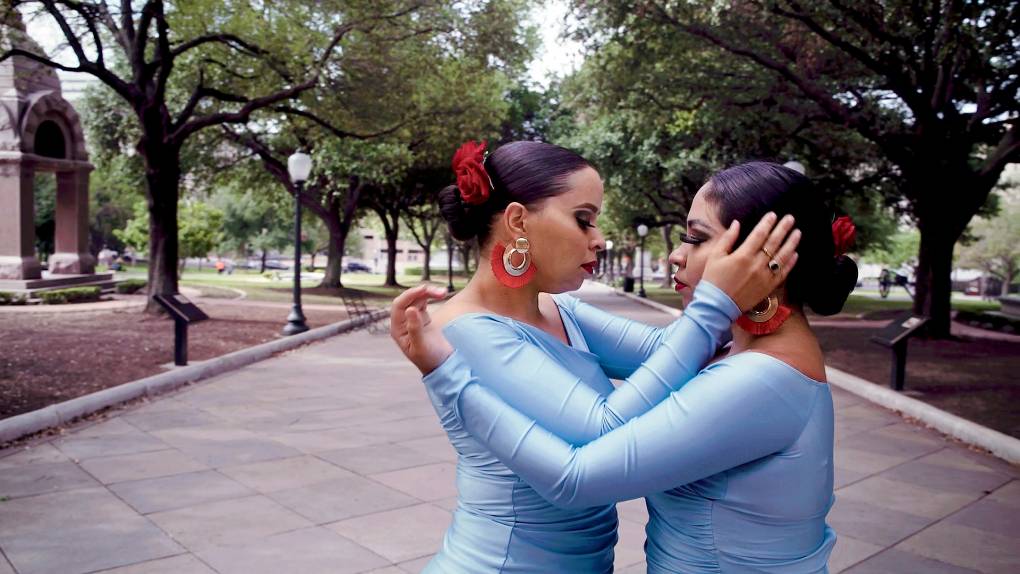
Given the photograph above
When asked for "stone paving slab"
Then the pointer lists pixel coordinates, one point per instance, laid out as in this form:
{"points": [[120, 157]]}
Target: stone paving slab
{"points": [[330, 459]]}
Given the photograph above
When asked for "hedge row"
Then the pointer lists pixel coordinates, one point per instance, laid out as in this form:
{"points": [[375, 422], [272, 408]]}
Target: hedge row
{"points": [[130, 286], [71, 295], [7, 298], [992, 321]]}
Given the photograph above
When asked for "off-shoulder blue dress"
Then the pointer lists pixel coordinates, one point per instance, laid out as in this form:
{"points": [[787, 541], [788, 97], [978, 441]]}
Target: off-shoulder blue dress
{"points": [[736, 464], [501, 523]]}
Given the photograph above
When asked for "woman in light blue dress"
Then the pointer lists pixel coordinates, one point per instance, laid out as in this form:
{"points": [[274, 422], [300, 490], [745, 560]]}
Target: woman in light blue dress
{"points": [[551, 197]]}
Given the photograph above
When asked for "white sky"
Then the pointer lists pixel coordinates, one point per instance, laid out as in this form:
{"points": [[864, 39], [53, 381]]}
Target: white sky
{"points": [[556, 56]]}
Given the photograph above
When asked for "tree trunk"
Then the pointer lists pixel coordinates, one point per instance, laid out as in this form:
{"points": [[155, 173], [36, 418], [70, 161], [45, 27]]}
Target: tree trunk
{"points": [[426, 270], [335, 252], [391, 228], [667, 238], [334, 266], [262, 262], [465, 249], [391, 257], [162, 182], [934, 279]]}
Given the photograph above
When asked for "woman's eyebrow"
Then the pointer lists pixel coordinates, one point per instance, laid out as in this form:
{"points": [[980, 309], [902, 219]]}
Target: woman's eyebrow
{"points": [[587, 206], [699, 223]]}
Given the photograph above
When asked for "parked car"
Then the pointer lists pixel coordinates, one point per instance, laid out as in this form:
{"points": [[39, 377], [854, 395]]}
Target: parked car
{"points": [[355, 267], [275, 264]]}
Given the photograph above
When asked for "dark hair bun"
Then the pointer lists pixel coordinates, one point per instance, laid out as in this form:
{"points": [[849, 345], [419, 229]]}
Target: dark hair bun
{"points": [[827, 293], [463, 227]]}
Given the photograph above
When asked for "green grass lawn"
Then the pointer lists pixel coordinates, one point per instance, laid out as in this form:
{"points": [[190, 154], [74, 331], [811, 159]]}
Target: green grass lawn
{"points": [[259, 288]]}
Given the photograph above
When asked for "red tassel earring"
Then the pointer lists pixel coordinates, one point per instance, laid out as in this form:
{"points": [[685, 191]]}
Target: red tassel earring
{"points": [[506, 267], [764, 318]]}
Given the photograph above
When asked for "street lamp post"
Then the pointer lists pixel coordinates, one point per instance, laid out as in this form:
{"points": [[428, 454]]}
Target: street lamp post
{"points": [[796, 166], [642, 231], [609, 259], [449, 263], [299, 165]]}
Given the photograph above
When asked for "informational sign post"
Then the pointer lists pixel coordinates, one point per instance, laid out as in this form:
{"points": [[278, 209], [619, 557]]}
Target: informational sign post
{"points": [[895, 336], [184, 312]]}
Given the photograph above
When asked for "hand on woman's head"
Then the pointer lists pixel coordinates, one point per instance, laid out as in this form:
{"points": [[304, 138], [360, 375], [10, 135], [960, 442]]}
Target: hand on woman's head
{"points": [[745, 274]]}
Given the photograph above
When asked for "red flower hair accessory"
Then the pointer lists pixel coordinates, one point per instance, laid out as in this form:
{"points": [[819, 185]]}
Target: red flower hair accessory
{"points": [[472, 179], [843, 234]]}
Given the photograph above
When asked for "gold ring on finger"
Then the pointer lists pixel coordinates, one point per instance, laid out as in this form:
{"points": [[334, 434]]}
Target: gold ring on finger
{"points": [[767, 253]]}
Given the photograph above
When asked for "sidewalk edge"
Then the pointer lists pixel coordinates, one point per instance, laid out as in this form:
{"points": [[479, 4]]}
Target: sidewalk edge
{"points": [[970, 432], [31, 422], [649, 303]]}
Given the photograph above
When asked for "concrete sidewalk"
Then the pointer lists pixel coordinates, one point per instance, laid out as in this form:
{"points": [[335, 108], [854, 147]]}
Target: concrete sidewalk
{"points": [[330, 459]]}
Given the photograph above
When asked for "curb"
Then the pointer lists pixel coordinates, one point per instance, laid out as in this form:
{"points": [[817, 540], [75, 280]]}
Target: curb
{"points": [[62, 413], [999, 444], [648, 302]]}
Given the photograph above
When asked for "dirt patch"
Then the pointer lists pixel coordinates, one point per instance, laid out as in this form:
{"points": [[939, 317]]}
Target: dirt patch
{"points": [[976, 379], [47, 358]]}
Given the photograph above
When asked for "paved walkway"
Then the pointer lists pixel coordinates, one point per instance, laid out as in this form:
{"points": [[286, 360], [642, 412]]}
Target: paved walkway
{"points": [[330, 459]]}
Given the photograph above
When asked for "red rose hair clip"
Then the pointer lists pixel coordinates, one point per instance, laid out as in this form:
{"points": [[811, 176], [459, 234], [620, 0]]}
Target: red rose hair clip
{"points": [[473, 181], [843, 234]]}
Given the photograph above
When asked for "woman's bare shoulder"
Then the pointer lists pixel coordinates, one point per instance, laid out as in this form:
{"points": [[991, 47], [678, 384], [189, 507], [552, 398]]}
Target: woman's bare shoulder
{"points": [[451, 309]]}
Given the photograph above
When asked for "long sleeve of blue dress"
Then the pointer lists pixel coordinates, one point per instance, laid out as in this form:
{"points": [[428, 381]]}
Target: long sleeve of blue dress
{"points": [[622, 344], [735, 411], [510, 361]]}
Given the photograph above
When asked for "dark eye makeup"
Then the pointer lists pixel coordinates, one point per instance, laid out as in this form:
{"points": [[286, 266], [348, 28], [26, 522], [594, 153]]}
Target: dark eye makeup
{"points": [[583, 220], [692, 239]]}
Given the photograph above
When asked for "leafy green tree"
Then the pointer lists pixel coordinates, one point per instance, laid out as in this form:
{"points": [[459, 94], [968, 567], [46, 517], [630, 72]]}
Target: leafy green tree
{"points": [[200, 229], [406, 93], [899, 250], [247, 60], [930, 88], [253, 223], [135, 234], [996, 246]]}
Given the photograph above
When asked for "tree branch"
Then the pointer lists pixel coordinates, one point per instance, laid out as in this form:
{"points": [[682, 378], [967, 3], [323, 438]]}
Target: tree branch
{"points": [[290, 110]]}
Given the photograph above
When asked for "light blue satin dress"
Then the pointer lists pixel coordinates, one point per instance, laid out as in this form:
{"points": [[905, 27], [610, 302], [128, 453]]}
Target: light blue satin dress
{"points": [[501, 523], [736, 464]]}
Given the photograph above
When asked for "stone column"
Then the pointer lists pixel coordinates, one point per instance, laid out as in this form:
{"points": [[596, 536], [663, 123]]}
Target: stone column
{"points": [[17, 221], [71, 238]]}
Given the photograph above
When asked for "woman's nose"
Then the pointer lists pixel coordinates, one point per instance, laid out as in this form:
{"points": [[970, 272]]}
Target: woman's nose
{"points": [[679, 256]]}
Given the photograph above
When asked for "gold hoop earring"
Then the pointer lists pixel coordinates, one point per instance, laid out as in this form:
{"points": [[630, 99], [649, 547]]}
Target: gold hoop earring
{"points": [[520, 246], [765, 310]]}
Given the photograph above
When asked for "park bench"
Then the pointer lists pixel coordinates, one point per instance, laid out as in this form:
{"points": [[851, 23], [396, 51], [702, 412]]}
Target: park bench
{"points": [[359, 311]]}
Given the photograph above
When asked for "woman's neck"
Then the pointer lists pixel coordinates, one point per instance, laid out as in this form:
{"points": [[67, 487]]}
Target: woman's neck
{"points": [[484, 290], [795, 327]]}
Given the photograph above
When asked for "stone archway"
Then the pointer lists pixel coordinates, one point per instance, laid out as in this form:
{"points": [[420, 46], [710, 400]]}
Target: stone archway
{"points": [[40, 132]]}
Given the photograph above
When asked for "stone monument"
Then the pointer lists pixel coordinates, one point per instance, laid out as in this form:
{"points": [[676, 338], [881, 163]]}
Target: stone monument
{"points": [[40, 132]]}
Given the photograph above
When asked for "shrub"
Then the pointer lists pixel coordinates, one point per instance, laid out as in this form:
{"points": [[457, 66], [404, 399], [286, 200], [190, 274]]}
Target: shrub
{"points": [[990, 321], [7, 298], [412, 270], [131, 286], [72, 295]]}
